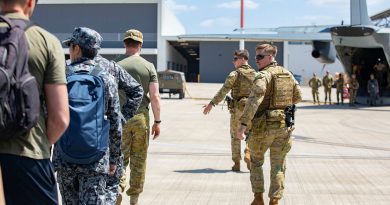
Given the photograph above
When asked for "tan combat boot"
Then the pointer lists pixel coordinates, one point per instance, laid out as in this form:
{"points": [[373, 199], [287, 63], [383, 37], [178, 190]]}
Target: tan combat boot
{"points": [[273, 201], [247, 159], [236, 166], [258, 200], [119, 198], [133, 200]]}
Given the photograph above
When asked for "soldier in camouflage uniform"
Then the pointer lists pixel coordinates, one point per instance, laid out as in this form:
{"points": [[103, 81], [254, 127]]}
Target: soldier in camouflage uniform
{"points": [[339, 89], [353, 88], [315, 83], [273, 91], [373, 89], [136, 131], [327, 82], [239, 82], [134, 92], [86, 183]]}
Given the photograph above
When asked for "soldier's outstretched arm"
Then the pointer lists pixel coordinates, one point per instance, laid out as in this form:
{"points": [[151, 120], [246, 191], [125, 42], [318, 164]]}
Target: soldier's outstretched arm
{"points": [[208, 108], [227, 86]]}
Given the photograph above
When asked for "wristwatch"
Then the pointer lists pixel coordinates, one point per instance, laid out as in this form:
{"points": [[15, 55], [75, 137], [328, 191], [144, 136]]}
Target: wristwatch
{"points": [[157, 121]]}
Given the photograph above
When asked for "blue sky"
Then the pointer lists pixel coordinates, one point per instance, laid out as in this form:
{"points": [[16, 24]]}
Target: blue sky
{"points": [[223, 16]]}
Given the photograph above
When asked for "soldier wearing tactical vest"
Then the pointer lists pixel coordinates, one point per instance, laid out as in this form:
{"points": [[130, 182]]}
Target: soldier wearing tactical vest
{"points": [[274, 92], [327, 81], [353, 88], [315, 83], [339, 89], [239, 82]]}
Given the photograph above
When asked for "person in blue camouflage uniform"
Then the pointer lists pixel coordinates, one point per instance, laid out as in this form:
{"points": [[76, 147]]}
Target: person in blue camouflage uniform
{"points": [[86, 184], [134, 93]]}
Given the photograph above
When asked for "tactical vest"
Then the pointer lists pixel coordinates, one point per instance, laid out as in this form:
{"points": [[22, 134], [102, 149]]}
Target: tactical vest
{"points": [[280, 88], [244, 82], [327, 81], [354, 84]]}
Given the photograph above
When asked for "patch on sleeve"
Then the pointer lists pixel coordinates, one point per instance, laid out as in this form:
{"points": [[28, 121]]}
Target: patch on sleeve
{"points": [[260, 75]]}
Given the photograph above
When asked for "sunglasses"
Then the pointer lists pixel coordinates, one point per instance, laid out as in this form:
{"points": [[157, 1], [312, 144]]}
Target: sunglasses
{"points": [[235, 59], [260, 57]]}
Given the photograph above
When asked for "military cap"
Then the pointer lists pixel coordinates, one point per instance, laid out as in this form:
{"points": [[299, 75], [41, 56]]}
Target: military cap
{"points": [[133, 34], [85, 38]]}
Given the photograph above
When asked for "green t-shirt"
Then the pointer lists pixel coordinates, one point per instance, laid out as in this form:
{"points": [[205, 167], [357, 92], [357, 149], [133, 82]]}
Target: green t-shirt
{"points": [[47, 63], [143, 72]]}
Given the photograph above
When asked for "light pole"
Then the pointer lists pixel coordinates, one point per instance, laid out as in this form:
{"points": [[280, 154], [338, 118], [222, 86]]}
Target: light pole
{"points": [[242, 41]]}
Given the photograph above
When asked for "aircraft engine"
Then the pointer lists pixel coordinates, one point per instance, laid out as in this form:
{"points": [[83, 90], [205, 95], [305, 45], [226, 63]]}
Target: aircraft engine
{"points": [[324, 52]]}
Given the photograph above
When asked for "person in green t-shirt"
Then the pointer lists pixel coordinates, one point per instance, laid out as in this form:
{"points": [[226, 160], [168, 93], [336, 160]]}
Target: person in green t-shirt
{"points": [[26, 159], [135, 138]]}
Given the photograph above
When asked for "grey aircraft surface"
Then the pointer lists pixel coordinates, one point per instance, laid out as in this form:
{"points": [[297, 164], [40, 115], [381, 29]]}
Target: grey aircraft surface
{"points": [[358, 46]]}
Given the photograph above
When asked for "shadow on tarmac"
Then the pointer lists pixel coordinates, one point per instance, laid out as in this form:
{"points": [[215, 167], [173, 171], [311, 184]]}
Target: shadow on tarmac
{"points": [[342, 107], [313, 141], [207, 171]]}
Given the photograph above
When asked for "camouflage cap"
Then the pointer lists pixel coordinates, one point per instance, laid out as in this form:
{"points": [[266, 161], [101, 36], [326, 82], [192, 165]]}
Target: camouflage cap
{"points": [[84, 37], [133, 34]]}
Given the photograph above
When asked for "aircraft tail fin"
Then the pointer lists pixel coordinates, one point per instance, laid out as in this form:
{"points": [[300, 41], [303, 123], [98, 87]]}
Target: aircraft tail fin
{"points": [[359, 14]]}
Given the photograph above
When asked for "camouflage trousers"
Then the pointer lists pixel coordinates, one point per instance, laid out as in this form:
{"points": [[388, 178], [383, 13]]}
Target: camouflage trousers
{"points": [[352, 96], [328, 92], [269, 135], [82, 188], [135, 143], [234, 126], [339, 95], [315, 94], [112, 185]]}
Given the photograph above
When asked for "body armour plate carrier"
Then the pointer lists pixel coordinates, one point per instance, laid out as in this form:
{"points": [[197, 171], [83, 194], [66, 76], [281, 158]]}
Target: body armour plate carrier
{"points": [[243, 85]]}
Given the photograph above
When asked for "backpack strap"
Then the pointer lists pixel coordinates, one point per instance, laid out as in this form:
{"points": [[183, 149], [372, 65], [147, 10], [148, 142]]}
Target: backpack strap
{"points": [[7, 21], [24, 24]]}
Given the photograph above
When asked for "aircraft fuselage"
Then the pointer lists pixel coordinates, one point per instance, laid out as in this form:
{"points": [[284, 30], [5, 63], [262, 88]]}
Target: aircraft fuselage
{"points": [[359, 48]]}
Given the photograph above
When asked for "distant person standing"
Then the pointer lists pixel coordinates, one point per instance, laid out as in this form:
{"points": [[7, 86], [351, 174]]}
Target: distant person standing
{"points": [[339, 89], [315, 83], [380, 69], [353, 88], [327, 82], [28, 174], [136, 131], [388, 78], [373, 89], [239, 82]]}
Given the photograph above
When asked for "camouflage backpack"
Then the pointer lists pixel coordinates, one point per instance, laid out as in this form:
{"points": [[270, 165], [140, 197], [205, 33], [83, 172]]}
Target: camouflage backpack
{"points": [[282, 87], [243, 85]]}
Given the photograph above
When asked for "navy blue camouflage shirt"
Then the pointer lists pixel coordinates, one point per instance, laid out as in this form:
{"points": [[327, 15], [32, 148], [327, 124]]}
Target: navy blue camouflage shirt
{"points": [[112, 110], [126, 83]]}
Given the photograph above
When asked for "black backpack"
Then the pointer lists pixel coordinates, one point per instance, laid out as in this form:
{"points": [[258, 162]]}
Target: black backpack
{"points": [[19, 95]]}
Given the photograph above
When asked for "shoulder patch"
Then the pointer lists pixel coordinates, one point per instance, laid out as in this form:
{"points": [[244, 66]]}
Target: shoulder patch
{"points": [[260, 75], [233, 73]]}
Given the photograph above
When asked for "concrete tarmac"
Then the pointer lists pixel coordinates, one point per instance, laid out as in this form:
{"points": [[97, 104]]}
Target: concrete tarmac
{"points": [[340, 155]]}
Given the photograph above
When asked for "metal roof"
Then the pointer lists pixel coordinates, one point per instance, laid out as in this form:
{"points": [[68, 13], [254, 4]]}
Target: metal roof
{"points": [[381, 15], [256, 37]]}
